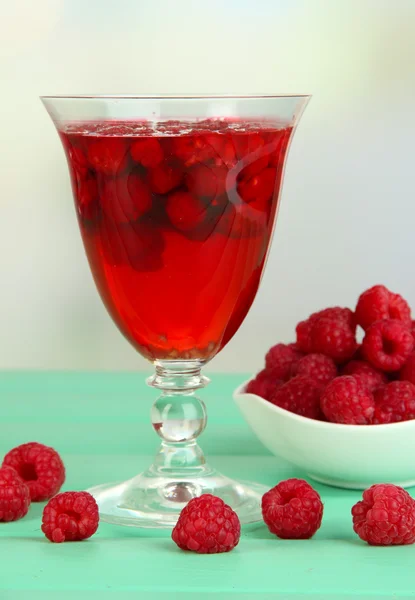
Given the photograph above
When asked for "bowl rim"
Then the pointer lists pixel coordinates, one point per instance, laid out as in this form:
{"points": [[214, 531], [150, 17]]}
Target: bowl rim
{"points": [[240, 391]]}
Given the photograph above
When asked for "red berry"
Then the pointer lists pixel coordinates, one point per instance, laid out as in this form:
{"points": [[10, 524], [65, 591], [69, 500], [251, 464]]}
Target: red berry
{"points": [[164, 178], [395, 402], [281, 359], [292, 510], [70, 516], [259, 189], [368, 376], [126, 199], [330, 331], [224, 149], [78, 161], [208, 182], [192, 149], [108, 155], [185, 211], [14, 495], [207, 526], [378, 303], [387, 344], [87, 201], [346, 400], [333, 338], [385, 516], [147, 151], [264, 384], [300, 395], [247, 143], [319, 367], [40, 467], [407, 373], [337, 313]]}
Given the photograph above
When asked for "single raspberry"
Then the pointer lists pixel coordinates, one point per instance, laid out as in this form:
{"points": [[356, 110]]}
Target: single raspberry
{"points": [[185, 211], [87, 201], [292, 510], [206, 181], [247, 143], [126, 199], [192, 149], [259, 189], [78, 161], [300, 395], [164, 178], [395, 402], [40, 467], [264, 384], [330, 331], [407, 373], [333, 338], [70, 516], [224, 149], [346, 400], [378, 303], [387, 344], [281, 359], [108, 155], [338, 313], [207, 525], [385, 516], [14, 495], [147, 151], [368, 376], [319, 367]]}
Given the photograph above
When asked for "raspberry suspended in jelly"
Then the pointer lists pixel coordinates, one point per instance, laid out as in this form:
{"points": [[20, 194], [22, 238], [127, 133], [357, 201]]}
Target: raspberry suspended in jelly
{"points": [[185, 211], [206, 181], [164, 178], [192, 149], [108, 155], [148, 152], [126, 198], [259, 189], [88, 206]]}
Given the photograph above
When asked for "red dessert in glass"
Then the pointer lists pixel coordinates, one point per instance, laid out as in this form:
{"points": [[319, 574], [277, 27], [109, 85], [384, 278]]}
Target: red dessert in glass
{"points": [[176, 221]]}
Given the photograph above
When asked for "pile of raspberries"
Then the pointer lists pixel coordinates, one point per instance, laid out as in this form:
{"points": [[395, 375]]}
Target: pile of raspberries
{"points": [[34, 472], [327, 375]]}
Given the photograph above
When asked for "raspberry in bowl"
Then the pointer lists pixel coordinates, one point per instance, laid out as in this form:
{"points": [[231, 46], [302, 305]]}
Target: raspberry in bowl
{"points": [[344, 413]]}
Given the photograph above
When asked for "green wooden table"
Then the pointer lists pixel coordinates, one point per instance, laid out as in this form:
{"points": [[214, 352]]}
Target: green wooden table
{"points": [[99, 422]]}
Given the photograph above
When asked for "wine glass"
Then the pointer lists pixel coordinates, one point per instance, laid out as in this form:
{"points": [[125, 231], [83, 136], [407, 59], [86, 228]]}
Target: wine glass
{"points": [[176, 199]]}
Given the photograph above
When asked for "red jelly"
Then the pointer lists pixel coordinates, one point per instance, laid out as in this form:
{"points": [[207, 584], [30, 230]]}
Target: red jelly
{"points": [[176, 224]]}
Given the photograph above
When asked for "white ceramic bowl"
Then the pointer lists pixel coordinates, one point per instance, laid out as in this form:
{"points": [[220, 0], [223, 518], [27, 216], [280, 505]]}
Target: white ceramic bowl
{"points": [[347, 456]]}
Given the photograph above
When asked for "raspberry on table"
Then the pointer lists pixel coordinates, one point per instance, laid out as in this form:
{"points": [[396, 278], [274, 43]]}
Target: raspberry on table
{"points": [[264, 384], [207, 525], [347, 400], [300, 395], [281, 358], [378, 303], [387, 344], [40, 467], [292, 510], [70, 516], [319, 367], [385, 516], [370, 377], [395, 402], [407, 373], [14, 495]]}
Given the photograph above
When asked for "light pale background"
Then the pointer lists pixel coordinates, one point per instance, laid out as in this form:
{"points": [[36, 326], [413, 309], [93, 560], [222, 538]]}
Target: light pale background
{"points": [[348, 210]]}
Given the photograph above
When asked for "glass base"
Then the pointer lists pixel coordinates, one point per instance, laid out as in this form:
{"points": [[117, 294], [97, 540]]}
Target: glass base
{"points": [[154, 501]]}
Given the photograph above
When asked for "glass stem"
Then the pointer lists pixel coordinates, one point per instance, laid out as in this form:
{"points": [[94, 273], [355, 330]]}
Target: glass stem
{"points": [[178, 416]]}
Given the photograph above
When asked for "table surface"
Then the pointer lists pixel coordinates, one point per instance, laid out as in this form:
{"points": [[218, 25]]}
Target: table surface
{"points": [[99, 422]]}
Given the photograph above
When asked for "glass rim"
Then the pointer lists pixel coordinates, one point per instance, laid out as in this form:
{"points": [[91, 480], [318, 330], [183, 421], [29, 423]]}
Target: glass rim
{"points": [[171, 96]]}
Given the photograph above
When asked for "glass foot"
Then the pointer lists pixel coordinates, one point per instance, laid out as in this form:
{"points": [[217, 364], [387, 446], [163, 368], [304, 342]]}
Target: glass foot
{"points": [[154, 501]]}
